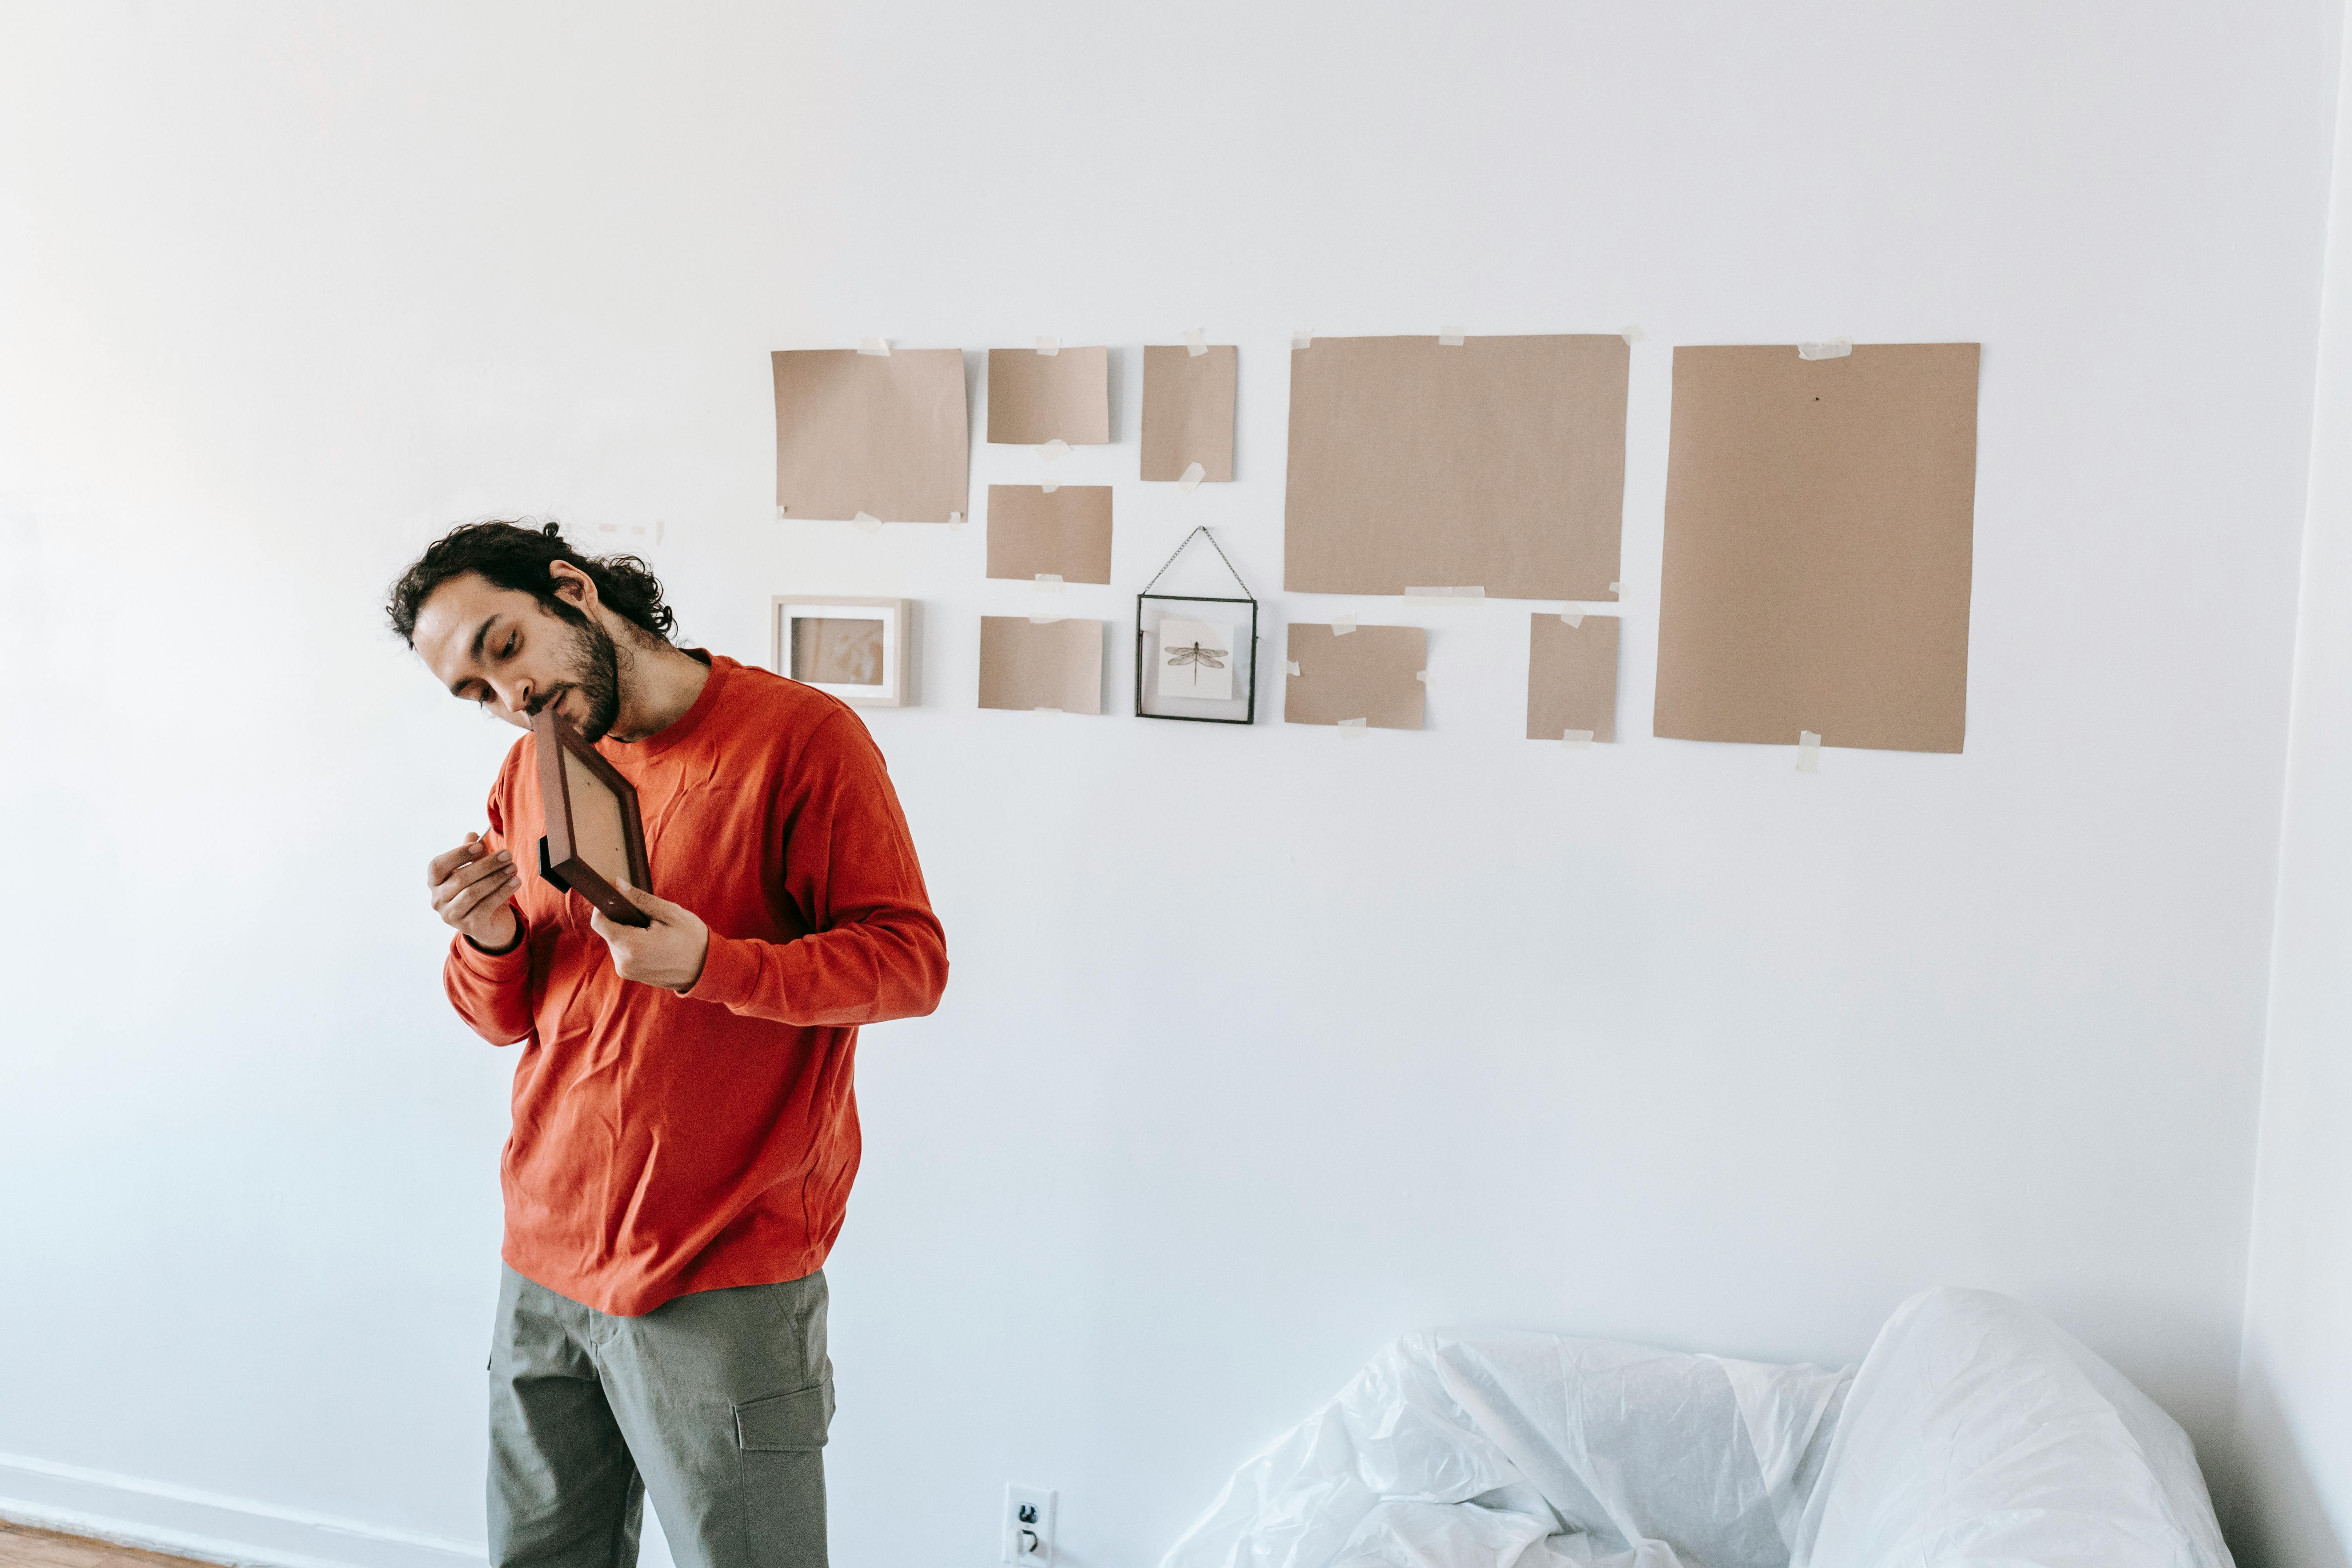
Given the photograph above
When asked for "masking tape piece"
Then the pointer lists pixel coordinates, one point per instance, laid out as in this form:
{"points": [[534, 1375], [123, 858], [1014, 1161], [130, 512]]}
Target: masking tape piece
{"points": [[1633, 334], [1573, 617], [877, 346], [1048, 621], [1343, 625], [1302, 338], [1291, 665], [1351, 728], [867, 522], [1576, 737], [1055, 450], [1809, 751], [1050, 486], [1451, 337], [1451, 595], [1836, 348], [1049, 346], [1044, 710], [1049, 582], [1617, 587], [1196, 342], [1192, 476], [1421, 676], [955, 520], [782, 513]]}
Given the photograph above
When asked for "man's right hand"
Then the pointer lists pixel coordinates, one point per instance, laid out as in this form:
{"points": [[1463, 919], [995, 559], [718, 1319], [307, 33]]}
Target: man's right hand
{"points": [[473, 890]]}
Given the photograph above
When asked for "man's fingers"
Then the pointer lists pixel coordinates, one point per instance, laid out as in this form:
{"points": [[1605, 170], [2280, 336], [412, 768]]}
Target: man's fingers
{"points": [[466, 875], [449, 860], [481, 894], [662, 909]]}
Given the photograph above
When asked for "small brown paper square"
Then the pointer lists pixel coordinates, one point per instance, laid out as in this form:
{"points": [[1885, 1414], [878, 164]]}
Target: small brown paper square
{"points": [[1067, 533], [1187, 411], [1034, 398], [1498, 464], [1571, 676], [885, 434], [1820, 528], [1372, 673], [1025, 666]]}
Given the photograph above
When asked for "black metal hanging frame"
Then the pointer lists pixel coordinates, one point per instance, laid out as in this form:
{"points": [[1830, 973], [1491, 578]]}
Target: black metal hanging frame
{"points": [[1250, 713]]}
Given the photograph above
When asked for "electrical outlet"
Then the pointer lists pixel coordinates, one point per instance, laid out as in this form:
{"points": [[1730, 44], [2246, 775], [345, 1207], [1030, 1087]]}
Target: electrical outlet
{"points": [[1028, 1526]]}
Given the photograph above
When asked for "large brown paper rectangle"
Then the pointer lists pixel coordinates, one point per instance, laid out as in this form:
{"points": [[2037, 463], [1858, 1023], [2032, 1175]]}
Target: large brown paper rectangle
{"points": [[1023, 665], [1820, 519], [1034, 398], [888, 434], [1187, 411], [1571, 676], [1067, 533], [1371, 673], [1498, 464]]}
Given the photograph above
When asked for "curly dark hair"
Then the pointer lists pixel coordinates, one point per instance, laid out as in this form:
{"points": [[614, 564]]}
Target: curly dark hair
{"points": [[517, 555]]}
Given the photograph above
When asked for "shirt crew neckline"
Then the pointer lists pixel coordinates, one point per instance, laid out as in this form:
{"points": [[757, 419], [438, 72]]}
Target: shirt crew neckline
{"points": [[706, 703]]}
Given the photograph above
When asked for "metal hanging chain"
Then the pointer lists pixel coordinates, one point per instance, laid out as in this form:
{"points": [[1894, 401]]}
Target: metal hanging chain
{"points": [[1201, 530]]}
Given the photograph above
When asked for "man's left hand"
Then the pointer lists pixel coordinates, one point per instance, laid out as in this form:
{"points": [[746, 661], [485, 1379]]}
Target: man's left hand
{"points": [[668, 953]]}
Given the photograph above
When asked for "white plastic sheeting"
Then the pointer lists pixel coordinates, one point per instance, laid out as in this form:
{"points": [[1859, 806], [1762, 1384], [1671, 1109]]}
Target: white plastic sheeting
{"points": [[1975, 1433], [1980, 1432], [1508, 1450]]}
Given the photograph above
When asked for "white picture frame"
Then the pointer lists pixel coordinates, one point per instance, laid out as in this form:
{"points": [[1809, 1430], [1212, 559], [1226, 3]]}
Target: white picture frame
{"points": [[832, 643]]}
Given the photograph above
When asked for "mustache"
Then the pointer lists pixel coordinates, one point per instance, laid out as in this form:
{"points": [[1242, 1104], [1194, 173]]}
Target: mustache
{"points": [[554, 694]]}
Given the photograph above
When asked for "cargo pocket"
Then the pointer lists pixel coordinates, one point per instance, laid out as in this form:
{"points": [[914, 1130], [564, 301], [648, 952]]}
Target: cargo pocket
{"points": [[785, 1422], [782, 1475]]}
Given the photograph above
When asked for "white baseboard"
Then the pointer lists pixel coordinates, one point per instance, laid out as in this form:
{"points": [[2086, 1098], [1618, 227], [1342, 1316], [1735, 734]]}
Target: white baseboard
{"points": [[187, 1523]]}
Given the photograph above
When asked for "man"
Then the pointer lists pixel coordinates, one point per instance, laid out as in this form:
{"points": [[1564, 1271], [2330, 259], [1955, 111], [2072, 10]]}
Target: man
{"points": [[685, 1129]]}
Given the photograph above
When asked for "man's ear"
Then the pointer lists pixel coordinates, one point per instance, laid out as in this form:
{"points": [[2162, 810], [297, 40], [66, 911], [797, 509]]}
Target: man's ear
{"points": [[573, 586]]}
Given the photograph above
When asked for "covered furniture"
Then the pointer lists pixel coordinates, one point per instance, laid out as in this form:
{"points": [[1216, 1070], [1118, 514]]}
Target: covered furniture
{"points": [[1975, 1433]]}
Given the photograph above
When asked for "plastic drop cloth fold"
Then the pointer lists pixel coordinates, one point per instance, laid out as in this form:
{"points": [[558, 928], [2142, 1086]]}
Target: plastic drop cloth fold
{"points": [[1977, 1433], [1515, 1450]]}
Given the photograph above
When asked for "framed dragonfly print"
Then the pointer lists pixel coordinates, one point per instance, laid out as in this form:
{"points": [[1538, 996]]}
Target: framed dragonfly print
{"points": [[1196, 654]]}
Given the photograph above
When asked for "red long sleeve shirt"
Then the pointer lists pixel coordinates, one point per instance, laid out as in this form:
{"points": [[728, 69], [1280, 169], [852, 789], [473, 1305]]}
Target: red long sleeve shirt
{"points": [[666, 1144]]}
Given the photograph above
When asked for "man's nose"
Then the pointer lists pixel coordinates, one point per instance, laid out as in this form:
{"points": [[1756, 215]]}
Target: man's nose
{"points": [[516, 695]]}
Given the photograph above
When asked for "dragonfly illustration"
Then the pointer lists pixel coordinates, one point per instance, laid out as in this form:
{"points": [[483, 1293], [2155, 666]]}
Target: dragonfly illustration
{"points": [[1198, 656]]}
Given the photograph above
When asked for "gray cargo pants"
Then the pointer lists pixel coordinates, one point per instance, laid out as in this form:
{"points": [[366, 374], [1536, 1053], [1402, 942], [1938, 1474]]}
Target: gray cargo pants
{"points": [[715, 1403]]}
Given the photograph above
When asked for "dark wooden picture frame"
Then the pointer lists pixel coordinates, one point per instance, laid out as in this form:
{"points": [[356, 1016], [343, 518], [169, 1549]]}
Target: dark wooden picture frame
{"points": [[565, 755]]}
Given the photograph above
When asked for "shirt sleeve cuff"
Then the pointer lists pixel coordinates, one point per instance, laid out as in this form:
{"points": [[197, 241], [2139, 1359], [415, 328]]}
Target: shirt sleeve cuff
{"points": [[731, 971], [498, 966]]}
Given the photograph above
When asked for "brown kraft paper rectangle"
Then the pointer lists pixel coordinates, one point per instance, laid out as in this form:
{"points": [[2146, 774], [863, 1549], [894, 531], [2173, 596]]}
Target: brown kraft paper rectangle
{"points": [[1187, 411], [1498, 464], [1067, 533], [1025, 666], [1571, 676], [1370, 673], [890, 436], [1034, 398], [1820, 534]]}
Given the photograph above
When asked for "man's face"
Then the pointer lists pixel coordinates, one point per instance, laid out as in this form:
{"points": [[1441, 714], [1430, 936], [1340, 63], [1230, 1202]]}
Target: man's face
{"points": [[509, 652]]}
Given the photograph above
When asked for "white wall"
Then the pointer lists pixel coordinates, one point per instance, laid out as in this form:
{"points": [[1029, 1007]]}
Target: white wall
{"points": [[2296, 1380], [1259, 1048]]}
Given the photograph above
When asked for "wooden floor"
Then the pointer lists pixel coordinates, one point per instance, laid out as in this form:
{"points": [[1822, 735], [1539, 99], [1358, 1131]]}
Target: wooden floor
{"points": [[22, 1546]]}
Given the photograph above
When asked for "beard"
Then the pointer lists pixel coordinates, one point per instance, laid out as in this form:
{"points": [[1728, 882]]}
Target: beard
{"points": [[596, 676]]}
